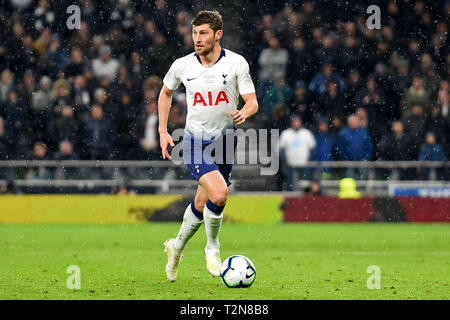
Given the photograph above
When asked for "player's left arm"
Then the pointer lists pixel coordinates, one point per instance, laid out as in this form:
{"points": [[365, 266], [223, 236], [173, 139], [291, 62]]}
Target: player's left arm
{"points": [[249, 109]]}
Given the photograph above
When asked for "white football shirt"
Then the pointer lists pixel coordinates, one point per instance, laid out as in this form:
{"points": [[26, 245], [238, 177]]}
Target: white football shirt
{"points": [[211, 93], [298, 145]]}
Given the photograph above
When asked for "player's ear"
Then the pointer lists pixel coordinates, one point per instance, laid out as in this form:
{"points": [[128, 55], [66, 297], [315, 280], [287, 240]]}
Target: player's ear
{"points": [[219, 34]]}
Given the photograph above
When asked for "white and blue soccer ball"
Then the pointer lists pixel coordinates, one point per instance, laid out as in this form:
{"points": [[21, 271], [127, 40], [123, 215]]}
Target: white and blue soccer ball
{"points": [[238, 272]]}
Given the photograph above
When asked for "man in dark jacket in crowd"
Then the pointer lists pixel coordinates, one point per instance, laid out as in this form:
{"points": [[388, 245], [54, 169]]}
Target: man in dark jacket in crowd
{"points": [[415, 125], [325, 143], [431, 151], [397, 146], [354, 144], [99, 135], [6, 142]]}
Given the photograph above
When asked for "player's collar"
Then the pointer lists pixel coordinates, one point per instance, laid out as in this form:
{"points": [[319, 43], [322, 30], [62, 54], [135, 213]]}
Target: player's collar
{"points": [[222, 54]]}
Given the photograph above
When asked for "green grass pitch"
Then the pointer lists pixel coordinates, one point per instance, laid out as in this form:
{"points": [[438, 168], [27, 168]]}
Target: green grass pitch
{"points": [[293, 261]]}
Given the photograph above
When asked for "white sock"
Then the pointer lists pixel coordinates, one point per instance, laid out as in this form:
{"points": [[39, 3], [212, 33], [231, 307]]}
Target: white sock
{"points": [[213, 222], [188, 228]]}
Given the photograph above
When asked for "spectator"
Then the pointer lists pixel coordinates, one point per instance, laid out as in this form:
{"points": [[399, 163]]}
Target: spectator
{"points": [[6, 142], [43, 42], [82, 39], [400, 82], [440, 125], [136, 67], [162, 16], [99, 136], [275, 94], [332, 102], [15, 50], [314, 188], [21, 4], [177, 114], [416, 94], [354, 85], [443, 103], [300, 104], [31, 55], [105, 65], [318, 84], [426, 63], [41, 110], [354, 144], [76, 65], [327, 52], [56, 57], [42, 99], [413, 53], [396, 146], [27, 88], [6, 84], [383, 79], [158, 56], [296, 145], [126, 128], [16, 114], [65, 127], [431, 151], [118, 41], [123, 16], [432, 82], [144, 38], [65, 151], [81, 98], [300, 63], [39, 153], [43, 16], [325, 143], [272, 62], [148, 131], [349, 58], [101, 99], [415, 125], [373, 100]]}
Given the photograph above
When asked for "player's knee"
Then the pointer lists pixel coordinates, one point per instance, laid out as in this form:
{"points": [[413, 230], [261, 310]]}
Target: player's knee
{"points": [[219, 197]]}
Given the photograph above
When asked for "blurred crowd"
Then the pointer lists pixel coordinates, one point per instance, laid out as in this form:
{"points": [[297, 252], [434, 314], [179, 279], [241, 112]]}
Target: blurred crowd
{"points": [[337, 90]]}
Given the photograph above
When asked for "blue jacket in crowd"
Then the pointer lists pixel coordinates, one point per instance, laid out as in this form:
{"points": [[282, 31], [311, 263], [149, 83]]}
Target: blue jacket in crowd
{"points": [[354, 145], [324, 150], [432, 153], [318, 84]]}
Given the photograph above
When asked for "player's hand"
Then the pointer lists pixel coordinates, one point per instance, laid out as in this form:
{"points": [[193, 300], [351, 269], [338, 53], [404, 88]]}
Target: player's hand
{"points": [[238, 116], [165, 140]]}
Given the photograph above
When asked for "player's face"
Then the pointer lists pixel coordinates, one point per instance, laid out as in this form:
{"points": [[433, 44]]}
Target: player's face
{"points": [[205, 38]]}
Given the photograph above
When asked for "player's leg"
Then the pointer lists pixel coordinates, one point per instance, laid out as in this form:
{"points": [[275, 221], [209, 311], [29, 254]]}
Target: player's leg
{"points": [[192, 220], [216, 187]]}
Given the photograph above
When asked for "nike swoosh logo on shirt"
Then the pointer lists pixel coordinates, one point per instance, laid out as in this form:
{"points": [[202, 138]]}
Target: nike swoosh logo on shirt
{"points": [[191, 79]]}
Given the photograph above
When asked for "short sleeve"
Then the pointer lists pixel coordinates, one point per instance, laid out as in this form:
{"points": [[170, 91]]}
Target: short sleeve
{"points": [[172, 79], [244, 80]]}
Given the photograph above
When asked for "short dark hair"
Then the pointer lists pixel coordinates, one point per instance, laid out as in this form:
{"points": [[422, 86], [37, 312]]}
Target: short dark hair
{"points": [[213, 18]]}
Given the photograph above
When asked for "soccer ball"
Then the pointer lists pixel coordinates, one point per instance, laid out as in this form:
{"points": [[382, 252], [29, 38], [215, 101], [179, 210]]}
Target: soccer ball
{"points": [[238, 272]]}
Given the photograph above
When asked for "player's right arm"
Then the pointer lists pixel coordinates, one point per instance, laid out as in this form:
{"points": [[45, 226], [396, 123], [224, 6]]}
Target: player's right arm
{"points": [[164, 103]]}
